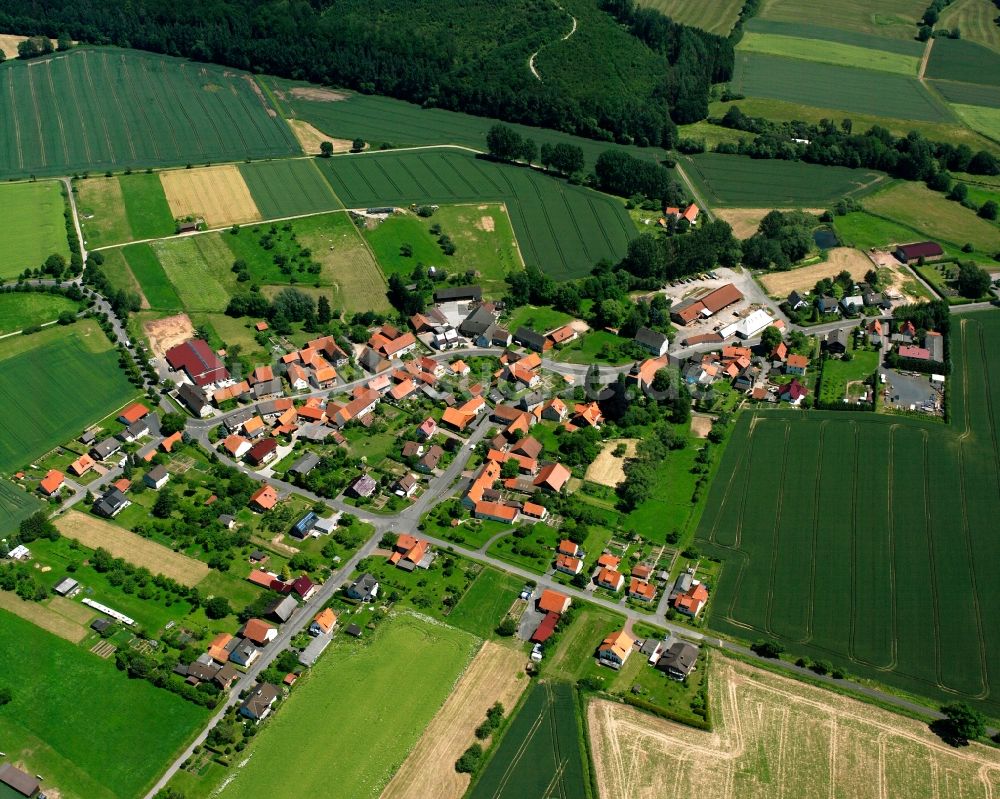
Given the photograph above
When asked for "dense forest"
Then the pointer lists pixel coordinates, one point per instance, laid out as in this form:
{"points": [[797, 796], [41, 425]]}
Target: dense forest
{"points": [[624, 76]]}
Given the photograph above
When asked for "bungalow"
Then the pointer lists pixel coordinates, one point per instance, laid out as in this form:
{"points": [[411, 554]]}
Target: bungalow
{"points": [[81, 465], [527, 337], [609, 561], [157, 477], [796, 365], [643, 571], [305, 464], [236, 446], [567, 547], [364, 589], [534, 511], [263, 499], [111, 503], [51, 483], [610, 579], [693, 600], [257, 706], [495, 511], [263, 451], [133, 413], [194, 399], [427, 429], [364, 486], [615, 649], [323, 622], [568, 564], [657, 343], [641, 590], [679, 660], [259, 631], [552, 478], [553, 602], [244, 653]]}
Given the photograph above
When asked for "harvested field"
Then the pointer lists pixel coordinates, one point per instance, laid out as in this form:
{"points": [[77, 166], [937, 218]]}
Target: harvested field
{"points": [[93, 532], [311, 137], [9, 43], [218, 194], [163, 334], [608, 470], [779, 284], [715, 17], [74, 611], [745, 221], [777, 737], [43, 617], [495, 675]]}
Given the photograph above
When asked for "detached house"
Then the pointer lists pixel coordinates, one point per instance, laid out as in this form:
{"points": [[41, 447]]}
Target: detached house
{"points": [[615, 649], [610, 579], [257, 706], [656, 343]]}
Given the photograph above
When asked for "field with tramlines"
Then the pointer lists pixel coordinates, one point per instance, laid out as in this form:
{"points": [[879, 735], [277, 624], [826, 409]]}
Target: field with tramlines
{"points": [[98, 109], [717, 17], [869, 541], [562, 229], [288, 188]]}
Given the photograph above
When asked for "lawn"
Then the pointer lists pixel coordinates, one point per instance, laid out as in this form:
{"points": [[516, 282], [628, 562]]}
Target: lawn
{"points": [[576, 648], [535, 552], [838, 373], [882, 526], [79, 363], [713, 17], [146, 206], [561, 228], [486, 602], [288, 187], [597, 346], [863, 230], [732, 180], [195, 265], [34, 227], [153, 281], [540, 318], [361, 679], [59, 724], [97, 109], [828, 52], [101, 206], [24, 309], [670, 507]]}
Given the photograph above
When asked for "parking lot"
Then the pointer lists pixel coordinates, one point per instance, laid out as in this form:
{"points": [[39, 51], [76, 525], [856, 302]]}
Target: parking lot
{"points": [[911, 391]]}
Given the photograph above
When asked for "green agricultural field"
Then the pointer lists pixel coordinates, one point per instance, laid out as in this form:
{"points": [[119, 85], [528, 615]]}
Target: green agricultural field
{"points": [[712, 17], [16, 505], [156, 286], [881, 527], [847, 88], [983, 120], [118, 272], [288, 188], [390, 684], [196, 266], [540, 754], [59, 725], [731, 180], [486, 603], [975, 20], [24, 309], [562, 229], [970, 94], [48, 367], [964, 61], [892, 19], [149, 214], [34, 226], [856, 38], [383, 120], [98, 108], [828, 52], [916, 206]]}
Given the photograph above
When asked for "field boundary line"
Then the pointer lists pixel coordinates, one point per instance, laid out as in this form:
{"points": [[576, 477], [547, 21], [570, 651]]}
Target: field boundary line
{"points": [[983, 663], [891, 528], [159, 105], [193, 91], [235, 88], [178, 103], [817, 490], [932, 563], [989, 404]]}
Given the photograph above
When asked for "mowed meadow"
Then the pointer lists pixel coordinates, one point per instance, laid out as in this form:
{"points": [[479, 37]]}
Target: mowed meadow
{"points": [[101, 108], [868, 540], [34, 226]]}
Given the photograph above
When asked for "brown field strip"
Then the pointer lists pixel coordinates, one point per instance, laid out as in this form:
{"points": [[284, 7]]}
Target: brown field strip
{"points": [[74, 611], [839, 259], [745, 221], [218, 194], [93, 532], [494, 675], [775, 736], [310, 138], [606, 469], [43, 617]]}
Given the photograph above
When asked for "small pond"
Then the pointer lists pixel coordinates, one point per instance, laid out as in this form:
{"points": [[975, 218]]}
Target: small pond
{"points": [[825, 238]]}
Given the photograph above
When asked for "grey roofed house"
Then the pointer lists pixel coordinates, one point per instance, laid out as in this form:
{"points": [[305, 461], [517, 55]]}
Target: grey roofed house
{"points": [[267, 389], [935, 345], [531, 400], [827, 304], [454, 293], [431, 458], [105, 449], [527, 337], [194, 398], [316, 648], [18, 780], [796, 301], [365, 588], [202, 672], [498, 336], [226, 520], [315, 432], [88, 437], [901, 338], [353, 630], [649, 646], [236, 421], [679, 660], [836, 341], [304, 526], [269, 408], [364, 486], [477, 322], [305, 464], [155, 475], [682, 583], [135, 430], [111, 503], [258, 704], [100, 625], [652, 340], [65, 585], [225, 675], [372, 361], [282, 609], [325, 526]]}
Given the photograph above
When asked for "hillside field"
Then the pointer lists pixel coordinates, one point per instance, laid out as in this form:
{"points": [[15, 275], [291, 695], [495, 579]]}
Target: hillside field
{"points": [[882, 527], [38, 375], [731, 180], [975, 19], [59, 725], [98, 109], [964, 61], [391, 683], [828, 52], [892, 19], [288, 187], [717, 17], [34, 227], [562, 229]]}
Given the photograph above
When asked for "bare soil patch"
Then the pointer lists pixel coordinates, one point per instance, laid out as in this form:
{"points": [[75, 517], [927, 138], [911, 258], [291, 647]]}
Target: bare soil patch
{"points": [[494, 675], [607, 469], [775, 736], [93, 532], [168, 332], [486, 223], [701, 426], [318, 95], [9, 43], [218, 194], [779, 284], [310, 138], [745, 221], [43, 617]]}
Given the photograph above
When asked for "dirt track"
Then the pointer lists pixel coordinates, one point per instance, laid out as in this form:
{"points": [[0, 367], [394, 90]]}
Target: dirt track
{"points": [[429, 771], [93, 532], [776, 737]]}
